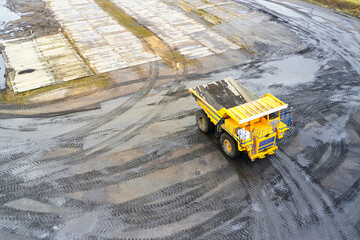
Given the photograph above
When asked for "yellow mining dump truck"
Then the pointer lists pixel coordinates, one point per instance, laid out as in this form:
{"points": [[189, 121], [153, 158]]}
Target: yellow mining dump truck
{"points": [[245, 121]]}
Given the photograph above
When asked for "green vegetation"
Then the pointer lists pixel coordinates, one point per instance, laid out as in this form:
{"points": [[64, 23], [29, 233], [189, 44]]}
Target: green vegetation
{"points": [[208, 16], [172, 57], [125, 20], [351, 7], [207, 2]]}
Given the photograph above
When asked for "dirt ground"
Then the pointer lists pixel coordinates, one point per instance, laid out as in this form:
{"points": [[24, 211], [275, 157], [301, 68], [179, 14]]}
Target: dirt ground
{"points": [[132, 164], [36, 20]]}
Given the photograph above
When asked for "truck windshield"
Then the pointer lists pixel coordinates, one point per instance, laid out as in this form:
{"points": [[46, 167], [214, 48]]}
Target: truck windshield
{"points": [[273, 115]]}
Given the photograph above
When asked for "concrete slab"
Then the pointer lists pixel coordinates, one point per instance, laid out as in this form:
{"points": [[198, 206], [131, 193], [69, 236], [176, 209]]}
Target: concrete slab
{"points": [[251, 29], [180, 32], [42, 62], [105, 44], [64, 63]]}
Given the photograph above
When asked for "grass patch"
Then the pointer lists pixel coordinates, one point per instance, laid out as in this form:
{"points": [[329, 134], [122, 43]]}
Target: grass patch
{"points": [[172, 57], [125, 20], [203, 13], [77, 86], [351, 7], [207, 2]]}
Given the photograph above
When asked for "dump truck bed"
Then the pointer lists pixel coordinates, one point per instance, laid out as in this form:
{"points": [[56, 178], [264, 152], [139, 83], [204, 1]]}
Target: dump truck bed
{"points": [[229, 98], [225, 93]]}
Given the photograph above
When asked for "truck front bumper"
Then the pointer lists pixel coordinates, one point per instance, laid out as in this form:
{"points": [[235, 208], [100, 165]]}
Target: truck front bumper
{"points": [[263, 153]]}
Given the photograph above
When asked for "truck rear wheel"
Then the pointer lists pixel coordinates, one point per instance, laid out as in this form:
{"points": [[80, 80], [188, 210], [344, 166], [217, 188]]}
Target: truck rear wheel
{"points": [[229, 145], [203, 122]]}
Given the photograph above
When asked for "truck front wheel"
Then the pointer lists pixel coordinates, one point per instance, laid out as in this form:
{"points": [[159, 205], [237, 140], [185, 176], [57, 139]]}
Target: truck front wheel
{"points": [[203, 122], [229, 145]]}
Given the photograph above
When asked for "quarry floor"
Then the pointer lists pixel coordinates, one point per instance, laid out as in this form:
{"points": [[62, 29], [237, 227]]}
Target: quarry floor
{"points": [[125, 159]]}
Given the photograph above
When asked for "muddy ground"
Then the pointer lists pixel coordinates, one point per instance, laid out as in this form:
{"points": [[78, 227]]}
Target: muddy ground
{"points": [[36, 20], [138, 167]]}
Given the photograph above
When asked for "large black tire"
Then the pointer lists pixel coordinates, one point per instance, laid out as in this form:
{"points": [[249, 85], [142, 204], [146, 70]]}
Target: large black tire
{"points": [[229, 145], [218, 130], [203, 122]]}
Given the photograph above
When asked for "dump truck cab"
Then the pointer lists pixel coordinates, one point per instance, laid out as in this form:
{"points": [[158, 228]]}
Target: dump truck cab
{"points": [[244, 121]]}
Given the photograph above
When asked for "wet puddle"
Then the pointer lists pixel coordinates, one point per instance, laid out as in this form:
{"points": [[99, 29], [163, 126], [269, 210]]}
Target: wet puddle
{"points": [[333, 131], [289, 71], [279, 9], [6, 15]]}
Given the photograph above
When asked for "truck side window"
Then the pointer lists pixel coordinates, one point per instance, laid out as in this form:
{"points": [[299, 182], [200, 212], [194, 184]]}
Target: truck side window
{"points": [[273, 115]]}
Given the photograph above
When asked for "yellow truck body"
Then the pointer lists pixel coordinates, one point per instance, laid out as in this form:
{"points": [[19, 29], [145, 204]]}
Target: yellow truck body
{"points": [[255, 123]]}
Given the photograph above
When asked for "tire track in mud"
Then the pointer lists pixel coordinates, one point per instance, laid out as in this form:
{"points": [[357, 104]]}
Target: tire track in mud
{"points": [[152, 200], [315, 154], [266, 225], [180, 207], [156, 112], [314, 109], [128, 136], [209, 224], [79, 156], [189, 211], [355, 125], [160, 106], [231, 189], [83, 131], [319, 205], [112, 115], [348, 196], [33, 192], [90, 180], [236, 228], [66, 182], [337, 156], [183, 207], [45, 219], [309, 112]]}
